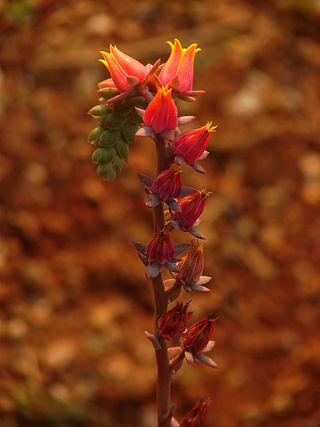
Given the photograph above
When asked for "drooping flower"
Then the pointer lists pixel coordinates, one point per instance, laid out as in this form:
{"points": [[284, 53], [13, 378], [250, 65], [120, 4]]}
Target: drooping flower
{"points": [[162, 113], [161, 249], [192, 207], [191, 268], [197, 417], [191, 145], [168, 184], [197, 341], [177, 72], [124, 70], [174, 323]]}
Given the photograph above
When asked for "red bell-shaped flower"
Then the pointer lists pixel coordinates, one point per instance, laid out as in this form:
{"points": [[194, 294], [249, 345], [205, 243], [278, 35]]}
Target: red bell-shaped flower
{"points": [[161, 249], [177, 72], [124, 70], [191, 145], [168, 183], [192, 207], [162, 113]]}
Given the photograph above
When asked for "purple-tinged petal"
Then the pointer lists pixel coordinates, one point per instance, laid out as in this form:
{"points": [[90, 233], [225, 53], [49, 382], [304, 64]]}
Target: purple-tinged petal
{"points": [[181, 248], [144, 131], [203, 280], [196, 234], [143, 258], [141, 247], [145, 179], [152, 200], [174, 224], [173, 205], [186, 191], [171, 266], [189, 357], [209, 347], [183, 120], [153, 270], [207, 360], [200, 288], [198, 168], [179, 160]]}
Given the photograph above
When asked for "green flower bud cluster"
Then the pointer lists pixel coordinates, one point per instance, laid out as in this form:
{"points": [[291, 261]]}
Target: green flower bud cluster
{"points": [[117, 128]]}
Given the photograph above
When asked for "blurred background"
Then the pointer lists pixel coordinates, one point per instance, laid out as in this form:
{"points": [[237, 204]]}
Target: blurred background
{"points": [[74, 298]]}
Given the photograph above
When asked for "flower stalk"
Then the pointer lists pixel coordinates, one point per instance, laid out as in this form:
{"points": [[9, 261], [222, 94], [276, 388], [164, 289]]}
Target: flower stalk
{"points": [[139, 100]]}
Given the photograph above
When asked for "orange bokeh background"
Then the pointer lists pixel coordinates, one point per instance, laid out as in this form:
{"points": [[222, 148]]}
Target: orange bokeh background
{"points": [[74, 298]]}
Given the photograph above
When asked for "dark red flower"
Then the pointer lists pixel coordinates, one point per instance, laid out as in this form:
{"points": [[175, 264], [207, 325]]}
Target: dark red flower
{"points": [[167, 184], [197, 417], [198, 336], [174, 323], [161, 249], [192, 207]]}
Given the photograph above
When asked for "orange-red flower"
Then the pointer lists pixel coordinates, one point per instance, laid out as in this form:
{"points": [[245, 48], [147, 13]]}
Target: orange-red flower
{"points": [[125, 71], [192, 207], [177, 72], [162, 112], [191, 145]]}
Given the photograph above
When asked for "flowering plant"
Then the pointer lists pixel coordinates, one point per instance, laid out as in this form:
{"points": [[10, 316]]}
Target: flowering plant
{"points": [[139, 100]]}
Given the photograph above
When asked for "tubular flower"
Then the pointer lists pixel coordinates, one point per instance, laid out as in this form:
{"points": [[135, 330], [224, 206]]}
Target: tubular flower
{"points": [[124, 70], [197, 417], [161, 249], [192, 207], [199, 335], [162, 112], [174, 323], [191, 268], [168, 184], [178, 70], [191, 145]]}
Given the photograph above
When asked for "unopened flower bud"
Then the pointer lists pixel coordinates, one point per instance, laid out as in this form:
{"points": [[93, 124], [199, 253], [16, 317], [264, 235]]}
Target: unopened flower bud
{"points": [[174, 323], [197, 417]]}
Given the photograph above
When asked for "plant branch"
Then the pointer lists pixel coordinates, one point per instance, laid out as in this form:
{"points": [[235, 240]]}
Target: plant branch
{"points": [[161, 307]]}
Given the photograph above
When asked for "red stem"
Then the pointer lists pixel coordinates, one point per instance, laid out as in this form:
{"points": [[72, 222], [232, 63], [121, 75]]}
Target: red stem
{"points": [[161, 307]]}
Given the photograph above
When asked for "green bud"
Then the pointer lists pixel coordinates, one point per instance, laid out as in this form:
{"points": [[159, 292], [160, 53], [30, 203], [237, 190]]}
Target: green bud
{"points": [[99, 111], [103, 155], [106, 171], [108, 92], [95, 134], [123, 149], [129, 132], [122, 109], [117, 164], [109, 137], [115, 121]]}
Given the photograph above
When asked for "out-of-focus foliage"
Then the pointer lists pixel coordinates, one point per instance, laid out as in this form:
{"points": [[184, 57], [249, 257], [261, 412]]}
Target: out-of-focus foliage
{"points": [[74, 299]]}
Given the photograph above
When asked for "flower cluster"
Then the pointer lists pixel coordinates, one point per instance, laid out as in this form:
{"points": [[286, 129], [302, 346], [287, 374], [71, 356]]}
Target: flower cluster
{"points": [[140, 101]]}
